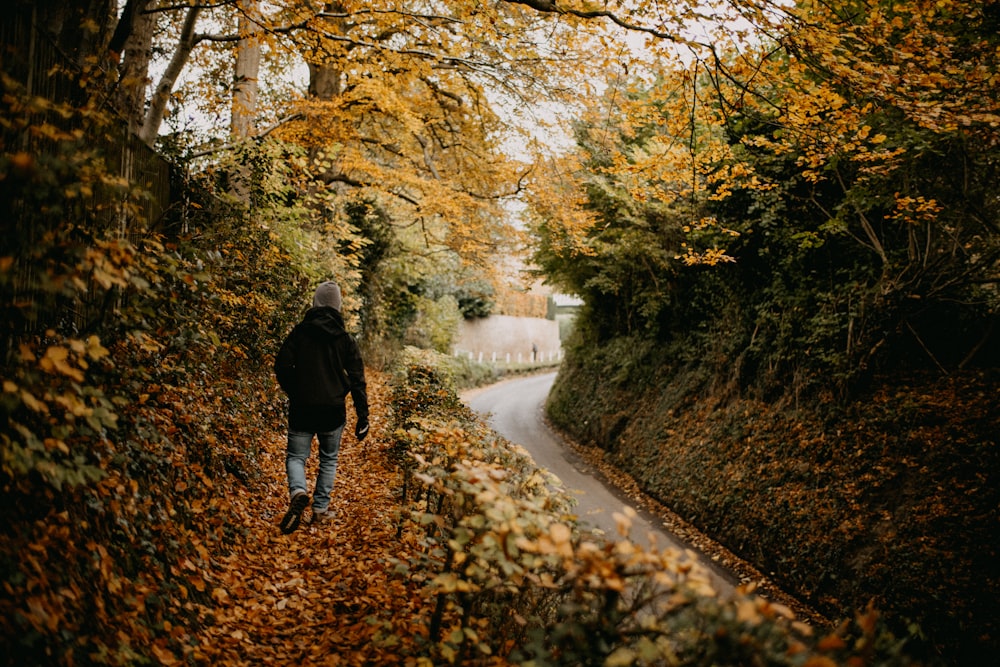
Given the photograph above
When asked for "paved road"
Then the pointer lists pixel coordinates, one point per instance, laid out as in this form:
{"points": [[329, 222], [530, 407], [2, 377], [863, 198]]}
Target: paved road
{"points": [[514, 409]]}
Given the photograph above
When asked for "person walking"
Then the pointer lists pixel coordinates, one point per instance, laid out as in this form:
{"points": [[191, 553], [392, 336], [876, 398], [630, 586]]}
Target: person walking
{"points": [[317, 365]]}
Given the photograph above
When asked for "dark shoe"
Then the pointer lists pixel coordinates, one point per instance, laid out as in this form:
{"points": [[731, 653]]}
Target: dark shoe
{"points": [[300, 499], [321, 517]]}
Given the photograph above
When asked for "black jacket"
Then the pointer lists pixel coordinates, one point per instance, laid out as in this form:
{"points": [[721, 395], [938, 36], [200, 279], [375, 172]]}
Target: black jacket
{"points": [[318, 364]]}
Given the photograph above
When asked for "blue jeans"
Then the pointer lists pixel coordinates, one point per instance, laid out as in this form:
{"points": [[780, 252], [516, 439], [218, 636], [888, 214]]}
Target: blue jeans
{"points": [[299, 446]]}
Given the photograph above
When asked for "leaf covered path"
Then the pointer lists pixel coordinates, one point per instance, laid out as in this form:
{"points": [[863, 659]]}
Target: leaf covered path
{"points": [[323, 594]]}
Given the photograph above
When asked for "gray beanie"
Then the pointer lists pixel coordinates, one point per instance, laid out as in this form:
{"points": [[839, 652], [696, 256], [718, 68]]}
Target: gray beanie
{"points": [[327, 294]]}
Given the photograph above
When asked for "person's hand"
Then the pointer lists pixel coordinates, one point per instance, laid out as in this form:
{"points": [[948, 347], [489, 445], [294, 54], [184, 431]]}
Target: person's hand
{"points": [[361, 430]]}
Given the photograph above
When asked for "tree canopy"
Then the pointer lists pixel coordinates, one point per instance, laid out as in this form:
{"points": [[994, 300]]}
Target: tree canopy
{"points": [[838, 166]]}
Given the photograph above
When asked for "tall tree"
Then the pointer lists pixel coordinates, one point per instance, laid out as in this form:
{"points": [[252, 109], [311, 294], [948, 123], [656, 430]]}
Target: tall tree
{"points": [[246, 71], [132, 44]]}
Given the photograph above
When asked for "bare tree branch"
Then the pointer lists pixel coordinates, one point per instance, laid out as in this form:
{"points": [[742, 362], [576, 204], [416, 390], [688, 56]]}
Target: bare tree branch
{"points": [[552, 7], [158, 105]]}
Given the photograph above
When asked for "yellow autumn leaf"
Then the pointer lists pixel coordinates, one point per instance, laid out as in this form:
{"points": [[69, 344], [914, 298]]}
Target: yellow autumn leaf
{"points": [[94, 348], [54, 443], [56, 360], [73, 404], [621, 657], [33, 403], [746, 612], [560, 533]]}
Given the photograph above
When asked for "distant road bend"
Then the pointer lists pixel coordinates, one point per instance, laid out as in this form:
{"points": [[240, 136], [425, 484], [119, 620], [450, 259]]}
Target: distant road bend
{"points": [[514, 409]]}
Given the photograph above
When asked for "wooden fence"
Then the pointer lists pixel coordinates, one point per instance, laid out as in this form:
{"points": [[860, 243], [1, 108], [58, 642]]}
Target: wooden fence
{"points": [[31, 60], [29, 56]]}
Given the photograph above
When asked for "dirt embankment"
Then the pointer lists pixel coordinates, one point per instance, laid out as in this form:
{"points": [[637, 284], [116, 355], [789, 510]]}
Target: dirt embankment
{"points": [[893, 499]]}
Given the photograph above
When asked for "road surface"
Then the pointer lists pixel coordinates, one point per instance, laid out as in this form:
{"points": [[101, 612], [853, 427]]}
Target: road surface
{"points": [[513, 408]]}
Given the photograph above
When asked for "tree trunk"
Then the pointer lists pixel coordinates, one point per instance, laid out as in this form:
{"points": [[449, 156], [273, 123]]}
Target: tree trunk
{"points": [[135, 42], [246, 72], [324, 75]]}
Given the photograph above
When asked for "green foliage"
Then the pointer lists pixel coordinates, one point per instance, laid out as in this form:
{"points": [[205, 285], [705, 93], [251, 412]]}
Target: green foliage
{"points": [[476, 299], [824, 302], [435, 325], [858, 265], [629, 272]]}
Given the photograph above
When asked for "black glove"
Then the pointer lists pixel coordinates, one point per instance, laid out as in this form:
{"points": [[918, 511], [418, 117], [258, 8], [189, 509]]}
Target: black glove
{"points": [[361, 429]]}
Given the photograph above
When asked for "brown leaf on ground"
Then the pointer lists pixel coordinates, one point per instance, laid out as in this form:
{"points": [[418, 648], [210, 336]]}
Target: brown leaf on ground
{"points": [[324, 593]]}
